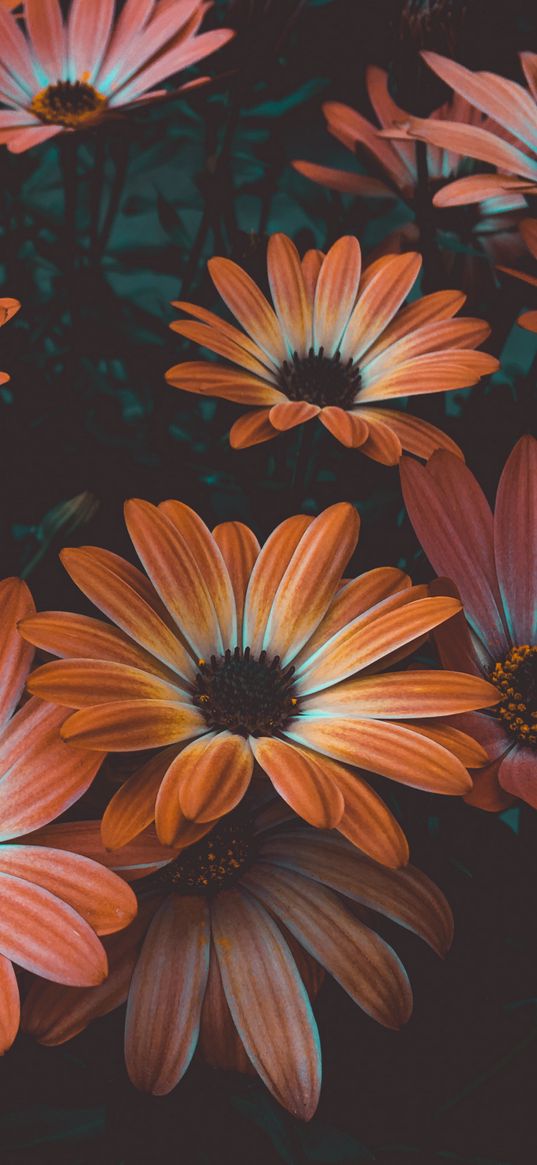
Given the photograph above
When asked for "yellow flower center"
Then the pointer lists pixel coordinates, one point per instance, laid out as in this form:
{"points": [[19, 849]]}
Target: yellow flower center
{"points": [[243, 694], [516, 679], [210, 865], [68, 103], [320, 380]]}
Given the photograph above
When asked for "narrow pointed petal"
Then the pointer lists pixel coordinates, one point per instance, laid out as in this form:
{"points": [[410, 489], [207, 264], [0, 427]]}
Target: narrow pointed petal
{"points": [[269, 569], [354, 598], [335, 293], [413, 433], [249, 306], [344, 181], [166, 995], [215, 341], [405, 695], [239, 548], [515, 540], [98, 895], [506, 102], [210, 564], [135, 860], [289, 294], [364, 965], [78, 683], [382, 443], [301, 780], [45, 26], [88, 33], [311, 266], [132, 807], [268, 1001], [378, 303], [81, 637], [462, 744], [474, 142], [216, 380], [129, 725]]}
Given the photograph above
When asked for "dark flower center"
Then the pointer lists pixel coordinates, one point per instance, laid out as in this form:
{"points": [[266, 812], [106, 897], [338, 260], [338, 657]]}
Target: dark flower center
{"points": [[245, 695], [67, 103], [516, 679], [320, 380], [210, 865]]}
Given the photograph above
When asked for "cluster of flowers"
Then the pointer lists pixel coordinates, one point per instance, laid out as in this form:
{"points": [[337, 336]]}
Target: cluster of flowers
{"points": [[242, 856]]}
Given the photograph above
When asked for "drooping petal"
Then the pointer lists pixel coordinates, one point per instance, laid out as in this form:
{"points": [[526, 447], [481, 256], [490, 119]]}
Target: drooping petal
{"points": [[300, 779], [487, 793], [413, 433], [134, 860], [344, 181], [170, 818], [365, 966], [213, 779], [515, 540], [268, 1001], [291, 413], [219, 1040], [166, 995], [104, 900], [45, 935], [382, 443], [15, 654], [132, 807], [347, 427], [252, 429]]}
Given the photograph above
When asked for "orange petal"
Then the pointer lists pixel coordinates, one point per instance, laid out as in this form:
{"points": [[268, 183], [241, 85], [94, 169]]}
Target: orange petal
{"points": [[77, 683], [439, 305], [335, 293], [291, 413], [132, 807], [217, 341], [249, 305], [414, 434], [240, 339], [15, 655], [216, 380], [239, 548], [251, 429], [311, 266], [354, 598], [289, 293], [45, 935], [377, 304], [405, 695], [382, 443], [434, 372], [133, 724], [213, 779], [9, 1004], [65, 634], [346, 427], [266, 575], [173, 827], [105, 901], [301, 780], [210, 563], [344, 181]]}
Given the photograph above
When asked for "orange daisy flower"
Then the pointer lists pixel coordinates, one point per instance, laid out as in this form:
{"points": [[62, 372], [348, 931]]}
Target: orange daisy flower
{"points": [[228, 656], [528, 230], [53, 905], [511, 117], [229, 950], [492, 560], [334, 346], [57, 77], [8, 308]]}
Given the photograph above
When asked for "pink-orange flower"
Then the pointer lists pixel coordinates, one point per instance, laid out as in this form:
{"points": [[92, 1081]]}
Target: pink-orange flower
{"points": [[528, 230], [507, 139], [397, 156], [229, 656], [57, 76], [53, 905], [229, 948], [335, 346], [8, 308], [492, 560]]}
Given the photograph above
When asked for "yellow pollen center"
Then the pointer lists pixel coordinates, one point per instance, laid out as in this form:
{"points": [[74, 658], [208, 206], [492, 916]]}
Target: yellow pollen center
{"points": [[68, 103], [516, 679]]}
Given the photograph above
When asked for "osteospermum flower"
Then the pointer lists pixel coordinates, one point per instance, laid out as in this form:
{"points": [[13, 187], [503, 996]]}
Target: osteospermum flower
{"points": [[511, 112], [230, 945], [397, 157], [528, 230], [57, 76], [334, 347], [8, 308], [493, 562], [53, 905], [228, 656]]}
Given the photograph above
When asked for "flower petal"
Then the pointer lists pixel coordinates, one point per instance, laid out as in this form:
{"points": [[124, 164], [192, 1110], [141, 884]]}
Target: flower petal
{"points": [[105, 901], [78, 683], [252, 429], [88, 33], [354, 598], [15, 655], [213, 779], [301, 780], [348, 428], [129, 725], [404, 695], [292, 413], [45, 935], [268, 1001], [377, 304], [45, 28], [81, 637], [413, 433], [249, 306], [132, 807], [506, 102], [515, 540], [239, 548], [9, 1004], [289, 294], [335, 293], [210, 563], [517, 774], [216, 380], [269, 569]]}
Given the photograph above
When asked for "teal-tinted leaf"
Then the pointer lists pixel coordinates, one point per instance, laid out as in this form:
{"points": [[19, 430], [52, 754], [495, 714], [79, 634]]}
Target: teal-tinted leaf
{"points": [[330, 1146], [283, 104], [42, 1125]]}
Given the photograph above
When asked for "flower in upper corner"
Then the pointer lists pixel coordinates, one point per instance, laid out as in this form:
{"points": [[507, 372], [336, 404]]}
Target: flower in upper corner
{"points": [[397, 159], [528, 230], [336, 345], [492, 560], [8, 308], [511, 117], [230, 946], [228, 656], [53, 905], [58, 76]]}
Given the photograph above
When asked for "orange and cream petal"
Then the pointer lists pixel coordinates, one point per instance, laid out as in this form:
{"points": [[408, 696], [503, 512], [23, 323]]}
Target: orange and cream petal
{"points": [[478, 187], [435, 336], [474, 142], [209, 561], [289, 294], [42, 933], [269, 569], [364, 965], [219, 1041], [166, 995], [301, 780], [82, 637], [487, 793], [226, 330], [252, 429], [240, 550], [404, 695], [40, 777], [462, 744], [343, 181], [414, 434], [383, 747], [385, 286], [432, 308], [250, 307], [130, 725], [349, 428], [212, 776], [132, 807], [353, 599], [215, 340], [366, 820], [335, 293], [268, 1001], [15, 654], [9, 1004], [432, 372], [215, 380], [503, 100], [138, 858], [81, 683], [382, 443]]}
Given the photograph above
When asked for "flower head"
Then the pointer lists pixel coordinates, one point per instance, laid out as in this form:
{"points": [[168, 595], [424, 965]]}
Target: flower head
{"points": [[492, 560], [53, 905], [58, 76], [335, 345], [232, 939], [505, 139], [8, 308], [229, 657]]}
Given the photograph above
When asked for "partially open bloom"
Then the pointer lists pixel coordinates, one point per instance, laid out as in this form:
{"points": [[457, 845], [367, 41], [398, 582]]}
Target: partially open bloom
{"points": [[229, 656], [397, 157], [57, 76], [511, 117], [492, 560], [8, 308], [335, 346], [528, 230], [53, 905], [229, 949]]}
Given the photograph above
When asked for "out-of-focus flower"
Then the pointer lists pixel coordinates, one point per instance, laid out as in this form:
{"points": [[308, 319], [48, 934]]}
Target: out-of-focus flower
{"points": [[528, 230], [53, 905], [335, 345], [230, 945], [8, 308], [229, 656], [396, 157], [492, 560], [57, 76], [507, 139]]}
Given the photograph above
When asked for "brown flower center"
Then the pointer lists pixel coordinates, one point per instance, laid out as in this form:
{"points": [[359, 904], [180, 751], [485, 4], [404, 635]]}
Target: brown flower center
{"points": [[210, 865], [68, 103], [320, 380], [516, 679], [243, 694]]}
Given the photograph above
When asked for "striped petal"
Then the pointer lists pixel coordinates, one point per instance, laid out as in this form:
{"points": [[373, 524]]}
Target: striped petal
{"points": [[344, 181], [81, 637], [88, 34], [214, 380], [170, 818], [79, 683], [506, 102], [473, 142], [433, 372], [515, 540], [98, 895], [348, 428], [300, 779], [45, 27], [166, 995], [210, 563], [382, 442], [213, 779], [413, 434], [269, 569], [248, 304], [394, 277], [268, 1001], [16, 656], [405, 695], [517, 775], [252, 429], [289, 294], [366, 821], [45, 935], [132, 807], [9, 1004], [239, 548], [354, 598], [291, 413], [335, 293], [130, 725]]}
